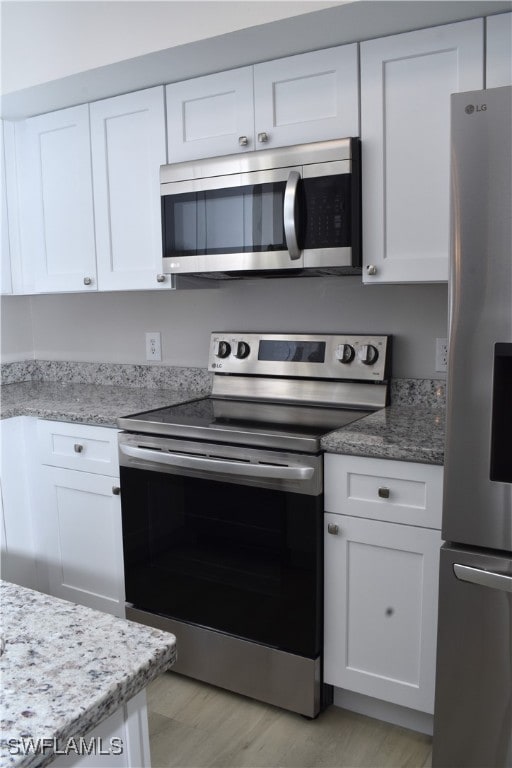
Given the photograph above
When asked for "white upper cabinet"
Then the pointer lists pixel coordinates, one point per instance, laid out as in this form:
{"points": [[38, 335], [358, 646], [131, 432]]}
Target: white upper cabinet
{"points": [[303, 98], [309, 97], [406, 82], [211, 115], [498, 69], [55, 200], [128, 147], [5, 256]]}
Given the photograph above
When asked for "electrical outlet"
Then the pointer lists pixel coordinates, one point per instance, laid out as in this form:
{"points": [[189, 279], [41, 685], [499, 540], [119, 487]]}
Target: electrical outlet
{"points": [[441, 355], [153, 346]]}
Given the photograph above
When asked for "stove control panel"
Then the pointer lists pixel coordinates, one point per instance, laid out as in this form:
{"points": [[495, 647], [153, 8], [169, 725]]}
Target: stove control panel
{"points": [[322, 356]]}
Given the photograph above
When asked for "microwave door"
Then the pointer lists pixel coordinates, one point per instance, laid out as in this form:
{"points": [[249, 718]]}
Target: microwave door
{"points": [[231, 224]]}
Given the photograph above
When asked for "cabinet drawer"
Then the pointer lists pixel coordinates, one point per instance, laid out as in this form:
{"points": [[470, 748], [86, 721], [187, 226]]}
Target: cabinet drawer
{"points": [[378, 489], [78, 446]]}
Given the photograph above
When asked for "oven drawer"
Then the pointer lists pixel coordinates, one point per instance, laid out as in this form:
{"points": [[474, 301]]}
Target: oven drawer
{"points": [[78, 446], [378, 489]]}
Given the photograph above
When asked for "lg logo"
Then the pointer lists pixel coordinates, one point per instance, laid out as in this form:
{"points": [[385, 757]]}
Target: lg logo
{"points": [[472, 108]]}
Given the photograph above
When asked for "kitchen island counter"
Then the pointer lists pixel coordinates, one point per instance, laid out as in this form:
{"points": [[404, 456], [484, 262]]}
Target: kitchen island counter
{"points": [[401, 432], [66, 668]]}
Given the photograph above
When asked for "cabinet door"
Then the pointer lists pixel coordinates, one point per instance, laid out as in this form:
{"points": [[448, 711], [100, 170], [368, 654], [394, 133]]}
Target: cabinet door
{"points": [[5, 256], [308, 97], [128, 148], [406, 82], [210, 116], [55, 200], [381, 609], [18, 560], [498, 69], [83, 543]]}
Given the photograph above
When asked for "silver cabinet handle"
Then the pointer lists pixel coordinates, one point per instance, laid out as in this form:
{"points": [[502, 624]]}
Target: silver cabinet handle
{"points": [[87, 280], [333, 528], [116, 490], [160, 278], [243, 141], [371, 269], [383, 493], [290, 229], [483, 578], [263, 137], [218, 465], [78, 447]]}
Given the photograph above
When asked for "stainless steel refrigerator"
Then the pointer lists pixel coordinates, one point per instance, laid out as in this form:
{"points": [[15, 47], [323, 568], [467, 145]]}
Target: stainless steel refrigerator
{"points": [[473, 709]]}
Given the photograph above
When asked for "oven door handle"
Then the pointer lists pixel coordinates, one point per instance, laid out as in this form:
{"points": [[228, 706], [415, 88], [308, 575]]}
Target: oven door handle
{"points": [[218, 465]]}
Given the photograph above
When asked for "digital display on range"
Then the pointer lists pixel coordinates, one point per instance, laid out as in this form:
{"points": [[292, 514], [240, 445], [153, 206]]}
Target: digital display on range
{"points": [[292, 351]]}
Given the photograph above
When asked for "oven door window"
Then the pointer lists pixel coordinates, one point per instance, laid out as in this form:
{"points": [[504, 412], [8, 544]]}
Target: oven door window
{"points": [[243, 560], [247, 219]]}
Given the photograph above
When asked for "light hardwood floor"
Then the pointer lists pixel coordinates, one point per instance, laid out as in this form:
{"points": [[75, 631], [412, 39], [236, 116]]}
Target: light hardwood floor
{"points": [[193, 725]]}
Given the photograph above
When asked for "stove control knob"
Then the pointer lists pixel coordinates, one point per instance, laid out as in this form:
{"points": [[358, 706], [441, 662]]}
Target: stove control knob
{"points": [[368, 354], [344, 353], [242, 350], [221, 349]]}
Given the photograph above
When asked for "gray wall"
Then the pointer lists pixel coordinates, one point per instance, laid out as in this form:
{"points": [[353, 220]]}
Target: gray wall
{"points": [[111, 326]]}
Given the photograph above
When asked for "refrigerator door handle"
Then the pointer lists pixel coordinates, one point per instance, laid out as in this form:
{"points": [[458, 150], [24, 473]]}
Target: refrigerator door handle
{"points": [[483, 578]]}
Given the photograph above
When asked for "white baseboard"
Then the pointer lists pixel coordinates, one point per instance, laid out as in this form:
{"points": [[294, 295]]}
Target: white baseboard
{"points": [[384, 710]]}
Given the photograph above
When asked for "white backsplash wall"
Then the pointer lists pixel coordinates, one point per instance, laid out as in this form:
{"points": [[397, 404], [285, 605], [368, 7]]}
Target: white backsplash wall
{"points": [[17, 342], [111, 327]]}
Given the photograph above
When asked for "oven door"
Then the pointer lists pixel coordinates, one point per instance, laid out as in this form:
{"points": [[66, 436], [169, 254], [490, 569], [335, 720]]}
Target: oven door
{"points": [[227, 538]]}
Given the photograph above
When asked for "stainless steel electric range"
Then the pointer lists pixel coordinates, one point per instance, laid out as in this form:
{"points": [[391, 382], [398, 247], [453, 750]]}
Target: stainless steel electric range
{"points": [[222, 504]]}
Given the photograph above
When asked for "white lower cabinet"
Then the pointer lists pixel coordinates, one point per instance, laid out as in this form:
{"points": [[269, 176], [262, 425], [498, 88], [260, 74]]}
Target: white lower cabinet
{"points": [[83, 551], [120, 741], [381, 582], [78, 514], [17, 536]]}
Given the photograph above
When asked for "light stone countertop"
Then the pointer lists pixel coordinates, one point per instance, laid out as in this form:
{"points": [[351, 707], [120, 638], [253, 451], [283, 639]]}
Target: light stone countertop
{"points": [[98, 404], [403, 432], [410, 430], [66, 668]]}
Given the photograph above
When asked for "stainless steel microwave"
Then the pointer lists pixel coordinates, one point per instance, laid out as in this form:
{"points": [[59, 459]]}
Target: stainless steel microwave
{"points": [[284, 211]]}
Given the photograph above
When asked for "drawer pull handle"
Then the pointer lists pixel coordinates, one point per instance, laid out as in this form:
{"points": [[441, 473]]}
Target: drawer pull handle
{"points": [[78, 448], [243, 141], [116, 490], [333, 528], [383, 493]]}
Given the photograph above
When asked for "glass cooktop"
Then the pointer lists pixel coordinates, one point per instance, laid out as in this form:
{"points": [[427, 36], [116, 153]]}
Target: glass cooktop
{"points": [[273, 425]]}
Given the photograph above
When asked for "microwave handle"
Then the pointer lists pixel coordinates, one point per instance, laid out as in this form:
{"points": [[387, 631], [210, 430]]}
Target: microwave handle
{"points": [[290, 226]]}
